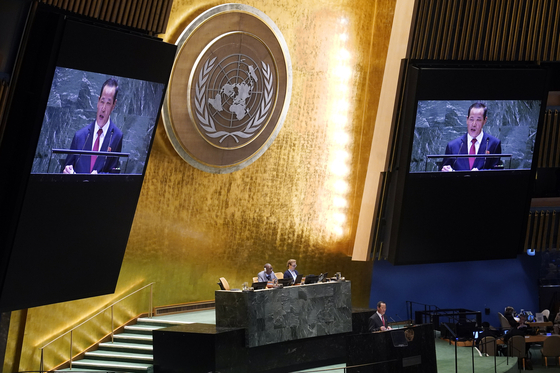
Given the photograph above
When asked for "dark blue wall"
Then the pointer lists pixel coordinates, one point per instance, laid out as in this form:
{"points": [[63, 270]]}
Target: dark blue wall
{"points": [[475, 285]]}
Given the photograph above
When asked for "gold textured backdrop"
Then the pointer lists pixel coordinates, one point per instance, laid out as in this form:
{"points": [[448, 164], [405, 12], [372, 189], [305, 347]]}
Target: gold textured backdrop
{"points": [[299, 200]]}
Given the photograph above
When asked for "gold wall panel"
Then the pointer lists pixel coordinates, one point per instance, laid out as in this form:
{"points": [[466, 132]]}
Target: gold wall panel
{"points": [[299, 200]]}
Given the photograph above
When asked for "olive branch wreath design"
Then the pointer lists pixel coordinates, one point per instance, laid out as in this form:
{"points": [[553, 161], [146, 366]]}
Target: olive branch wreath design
{"points": [[207, 122]]}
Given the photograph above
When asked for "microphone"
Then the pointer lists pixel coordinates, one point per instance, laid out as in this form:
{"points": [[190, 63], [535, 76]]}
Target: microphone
{"points": [[108, 148], [83, 147], [486, 152], [459, 152]]}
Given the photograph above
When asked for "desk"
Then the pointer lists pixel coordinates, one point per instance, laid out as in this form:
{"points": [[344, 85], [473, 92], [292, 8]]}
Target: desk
{"points": [[378, 353], [287, 314], [208, 348], [539, 338], [543, 324], [200, 347]]}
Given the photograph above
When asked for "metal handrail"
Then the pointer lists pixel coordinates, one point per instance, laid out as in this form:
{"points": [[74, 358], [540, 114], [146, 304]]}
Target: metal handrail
{"points": [[71, 331], [427, 307]]}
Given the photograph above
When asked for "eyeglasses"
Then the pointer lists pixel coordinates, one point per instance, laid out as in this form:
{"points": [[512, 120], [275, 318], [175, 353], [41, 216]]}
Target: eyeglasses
{"points": [[294, 265]]}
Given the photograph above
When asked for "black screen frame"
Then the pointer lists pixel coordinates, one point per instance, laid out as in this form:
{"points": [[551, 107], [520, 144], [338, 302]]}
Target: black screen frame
{"points": [[47, 253], [426, 218]]}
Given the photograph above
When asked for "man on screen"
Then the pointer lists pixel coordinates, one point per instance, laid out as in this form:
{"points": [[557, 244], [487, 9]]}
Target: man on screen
{"points": [[475, 141], [99, 135]]}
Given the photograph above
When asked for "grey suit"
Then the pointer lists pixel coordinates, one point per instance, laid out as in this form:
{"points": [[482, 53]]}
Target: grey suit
{"points": [[262, 276]]}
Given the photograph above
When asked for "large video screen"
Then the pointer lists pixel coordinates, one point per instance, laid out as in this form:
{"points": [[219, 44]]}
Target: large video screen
{"points": [[506, 132], [447, 197], [80, 123], [75, 109]]}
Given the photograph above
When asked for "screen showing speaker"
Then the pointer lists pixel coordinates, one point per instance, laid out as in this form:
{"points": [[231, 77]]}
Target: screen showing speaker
{"points": [[80, 125], [75, 106], [506, 129], [465, 143]]}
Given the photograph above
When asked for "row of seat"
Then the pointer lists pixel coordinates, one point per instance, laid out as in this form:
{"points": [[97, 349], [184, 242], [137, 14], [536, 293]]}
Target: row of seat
{"points": [[224, 284], [516, 344], [516, 348]]}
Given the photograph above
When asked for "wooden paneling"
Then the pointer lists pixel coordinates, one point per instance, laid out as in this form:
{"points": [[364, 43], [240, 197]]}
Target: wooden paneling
{"points": [[549, 152], [542, 230], [487, 30], [150, 16]]}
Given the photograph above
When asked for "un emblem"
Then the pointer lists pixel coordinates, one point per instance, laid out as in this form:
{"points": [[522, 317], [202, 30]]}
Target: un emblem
{"points": [[230, 89]]}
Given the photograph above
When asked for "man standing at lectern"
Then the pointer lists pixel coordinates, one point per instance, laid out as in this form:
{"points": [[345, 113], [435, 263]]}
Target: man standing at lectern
{"points": [[378, 321], [475, 141], [99, 135]]}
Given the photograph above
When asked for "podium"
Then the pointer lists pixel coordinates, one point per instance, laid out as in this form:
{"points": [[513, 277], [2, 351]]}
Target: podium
{"points": [[287, 314], [58, 165], [409, 349], [436, 166]]}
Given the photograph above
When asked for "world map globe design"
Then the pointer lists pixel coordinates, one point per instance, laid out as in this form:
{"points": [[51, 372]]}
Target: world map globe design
{"points": [[234, 90]]}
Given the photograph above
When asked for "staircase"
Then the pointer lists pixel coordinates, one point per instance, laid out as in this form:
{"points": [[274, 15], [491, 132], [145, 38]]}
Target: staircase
{"points": [[131, 351]]}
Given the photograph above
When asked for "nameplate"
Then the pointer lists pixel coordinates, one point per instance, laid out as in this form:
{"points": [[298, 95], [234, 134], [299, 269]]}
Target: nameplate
{"points": [[412, 360]]}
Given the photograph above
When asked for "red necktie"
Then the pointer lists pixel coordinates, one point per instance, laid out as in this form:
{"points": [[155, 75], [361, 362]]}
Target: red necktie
{"points": [[383, 319], [472, 151], [95, 149]]}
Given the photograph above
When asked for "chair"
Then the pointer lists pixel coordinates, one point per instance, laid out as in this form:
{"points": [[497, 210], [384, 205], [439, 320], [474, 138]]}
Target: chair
{"points": [[488, 346], [256, 279], [551, 348], [279, 275], [546, 313], [504, 322], [516, 348], [224, 283]]}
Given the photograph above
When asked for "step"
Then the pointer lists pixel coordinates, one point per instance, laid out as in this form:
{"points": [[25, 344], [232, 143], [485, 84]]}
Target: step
{"points": [[141, 329], [138, 348], [81, 370], [133, 338], [161, 322], [111, 365], [119, 356]]}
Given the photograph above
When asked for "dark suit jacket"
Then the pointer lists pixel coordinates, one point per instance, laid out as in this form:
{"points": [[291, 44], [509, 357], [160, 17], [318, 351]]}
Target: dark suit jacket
{"points": [[521, 331], [288, 274], [460, 146], [83, 140], [509, 317], [375, 323]]}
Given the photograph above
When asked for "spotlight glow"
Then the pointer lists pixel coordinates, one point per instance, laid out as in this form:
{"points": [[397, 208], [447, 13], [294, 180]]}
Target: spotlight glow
{"points": [[343, 54], [341, 186], [343, 72], [339, 168]]}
